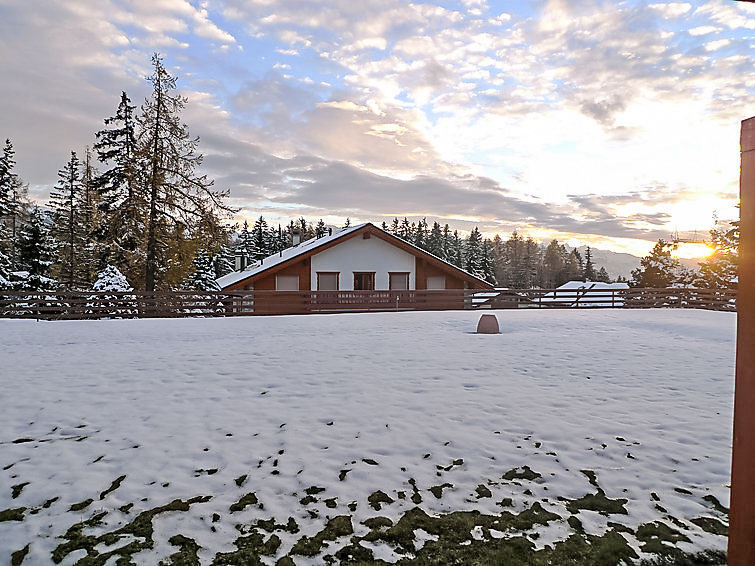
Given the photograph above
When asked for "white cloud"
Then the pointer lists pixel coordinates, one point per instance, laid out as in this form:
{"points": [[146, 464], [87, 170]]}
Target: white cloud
{"points": [[718, 44], [703, 30], [672, 9]]}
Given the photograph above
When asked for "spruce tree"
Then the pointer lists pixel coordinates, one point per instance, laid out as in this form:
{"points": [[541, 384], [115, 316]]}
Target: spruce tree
{"points": [[122, 215], [589, 274], [203, 277], [244, 248], [394, 227], [473, 253], [35, 253], [435, 241], [720, 269], [603, 276], [223, 262], [68, 230], [320, 229], [658, 268], [486, 260], [261, 240], [420, 234], [176, 197], [13, 209]]}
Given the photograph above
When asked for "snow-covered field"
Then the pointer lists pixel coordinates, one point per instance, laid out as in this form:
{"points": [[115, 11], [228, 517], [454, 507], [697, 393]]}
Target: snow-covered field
{"points": [[622, 419]]}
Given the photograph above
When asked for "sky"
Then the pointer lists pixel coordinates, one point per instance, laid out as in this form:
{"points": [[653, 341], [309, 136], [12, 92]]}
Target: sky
{"points": [[610, 124]]}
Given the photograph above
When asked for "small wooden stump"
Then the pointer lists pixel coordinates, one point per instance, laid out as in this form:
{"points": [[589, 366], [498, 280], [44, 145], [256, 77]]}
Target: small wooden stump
{"points": [[488, 325]]}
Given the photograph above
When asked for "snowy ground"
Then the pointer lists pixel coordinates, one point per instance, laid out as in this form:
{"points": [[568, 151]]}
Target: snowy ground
{"points": [[622, 418]]}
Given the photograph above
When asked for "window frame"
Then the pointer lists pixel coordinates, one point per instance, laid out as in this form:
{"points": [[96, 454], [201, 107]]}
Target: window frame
{"points": [[391, 274], [370, 273], [338, 280]]}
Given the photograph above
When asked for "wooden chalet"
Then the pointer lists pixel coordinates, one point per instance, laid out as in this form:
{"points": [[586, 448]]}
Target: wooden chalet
{"points": [[359, 268]]}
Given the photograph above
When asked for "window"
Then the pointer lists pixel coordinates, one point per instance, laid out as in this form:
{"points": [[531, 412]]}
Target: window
{"points": [[327, 281], [398, 281], [286, 282], [436, 282], [364, 281]]}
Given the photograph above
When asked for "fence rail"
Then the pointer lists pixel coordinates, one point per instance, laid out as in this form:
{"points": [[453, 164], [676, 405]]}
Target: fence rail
{"points": [[175, 304]]}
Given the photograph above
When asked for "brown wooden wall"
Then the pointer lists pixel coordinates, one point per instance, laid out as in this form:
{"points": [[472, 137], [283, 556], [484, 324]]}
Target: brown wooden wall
{"points": [[425, 270], [301, 268]]}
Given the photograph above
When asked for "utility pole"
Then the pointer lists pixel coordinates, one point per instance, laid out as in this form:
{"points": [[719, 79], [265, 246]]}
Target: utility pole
{"points": [[742, 506]]}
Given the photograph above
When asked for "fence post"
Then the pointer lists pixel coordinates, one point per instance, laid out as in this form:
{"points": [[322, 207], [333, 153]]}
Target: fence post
{"points": [[742, 506]]}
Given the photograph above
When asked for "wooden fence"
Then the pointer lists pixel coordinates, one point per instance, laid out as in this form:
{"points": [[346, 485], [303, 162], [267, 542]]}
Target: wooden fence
{"points": [[175, 304]]}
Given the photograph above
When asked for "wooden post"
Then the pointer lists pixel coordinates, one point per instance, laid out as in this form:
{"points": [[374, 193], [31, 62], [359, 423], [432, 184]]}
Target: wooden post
{"points": [[742, 506]]}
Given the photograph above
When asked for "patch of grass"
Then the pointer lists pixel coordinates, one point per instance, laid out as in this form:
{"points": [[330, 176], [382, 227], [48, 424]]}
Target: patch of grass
{"points": [[244, 502], [113, 486], [376, 523], [248, 550], [311, 546], [678, 558], [240, 480], [17, 489], [437, 490], [711, 525], [18, 557], [16, 514], [716, 504], [140, 528], [523, 473], [81, 505], [483, 491], [187, 554], [377, 498], [597, 502], [653, 535]]}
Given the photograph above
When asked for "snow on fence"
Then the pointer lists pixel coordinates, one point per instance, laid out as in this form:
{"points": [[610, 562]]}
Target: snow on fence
{"points": [[175, 304]]}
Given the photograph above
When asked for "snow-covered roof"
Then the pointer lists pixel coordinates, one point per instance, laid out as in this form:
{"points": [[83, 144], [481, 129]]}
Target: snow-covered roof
{"points": [[589, 299], [285, 255], [309, 245]]}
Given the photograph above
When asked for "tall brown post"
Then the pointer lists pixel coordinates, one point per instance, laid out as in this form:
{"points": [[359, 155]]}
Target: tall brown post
{"points": [[742, 507]]}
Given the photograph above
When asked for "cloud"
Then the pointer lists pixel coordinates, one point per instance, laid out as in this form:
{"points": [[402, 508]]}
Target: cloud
{"points": [[672, 9]]}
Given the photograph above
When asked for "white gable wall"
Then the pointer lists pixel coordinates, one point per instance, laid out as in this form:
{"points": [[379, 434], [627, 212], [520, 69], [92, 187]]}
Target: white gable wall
{"points": [[358, 254]]}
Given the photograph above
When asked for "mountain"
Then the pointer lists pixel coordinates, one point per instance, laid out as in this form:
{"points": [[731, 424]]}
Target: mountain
{"points": [[617, 263]]}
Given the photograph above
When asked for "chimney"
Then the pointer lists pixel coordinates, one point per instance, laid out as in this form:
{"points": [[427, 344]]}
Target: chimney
{"points": [[295, 237]]}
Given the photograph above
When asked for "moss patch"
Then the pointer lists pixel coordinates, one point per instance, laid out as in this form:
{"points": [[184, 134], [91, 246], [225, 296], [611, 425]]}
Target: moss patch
{"points": [[654, 535], [18, 557], [336, 527], [597, 502], [113, 486], [187, 554], [248, 550], [377, 498], [711, 525], [16, 514], [244, 502], [523, 473]]}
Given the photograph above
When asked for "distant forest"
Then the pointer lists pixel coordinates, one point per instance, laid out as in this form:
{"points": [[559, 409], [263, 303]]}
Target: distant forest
{"points": [[134, 213]]}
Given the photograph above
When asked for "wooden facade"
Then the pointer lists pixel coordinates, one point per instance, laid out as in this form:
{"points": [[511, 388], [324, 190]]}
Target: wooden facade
{"points": [[426, 268]]}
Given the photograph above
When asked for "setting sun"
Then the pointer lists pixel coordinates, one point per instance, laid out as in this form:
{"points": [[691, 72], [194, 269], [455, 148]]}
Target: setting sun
{"points": [[687, 251]]}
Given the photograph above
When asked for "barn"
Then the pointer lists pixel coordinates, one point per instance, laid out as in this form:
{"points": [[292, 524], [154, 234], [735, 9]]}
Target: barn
{"points": [[358, 268]]}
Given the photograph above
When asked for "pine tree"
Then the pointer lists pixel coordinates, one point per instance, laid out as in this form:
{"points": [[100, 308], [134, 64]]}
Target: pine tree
{"points": [[487, 267], [553, 265], [347, 223], [13, 209], [320, 229], [35, 253], [405, 230], [420, 234], [394, 227], [122, 222], [110, 279], [260, 240], [473, 253], [720, 269], [657, 269], [222, 262], [435, 241], [446, 243], [176, 197], [603, 276], [203, 277], [68, 230], [455, 250], [589, 274]]}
